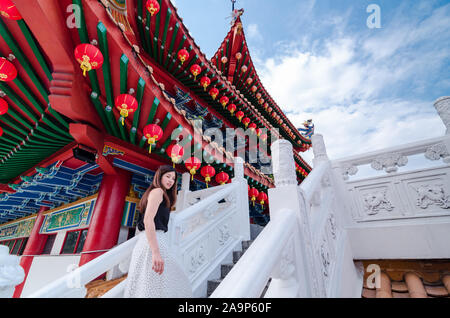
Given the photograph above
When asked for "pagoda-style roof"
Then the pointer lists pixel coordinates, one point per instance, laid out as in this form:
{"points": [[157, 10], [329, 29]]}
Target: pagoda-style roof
{"points": [[53, 108]]}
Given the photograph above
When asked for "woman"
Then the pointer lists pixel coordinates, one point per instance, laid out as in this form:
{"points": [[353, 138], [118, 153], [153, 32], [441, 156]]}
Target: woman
{"points": [[153, 271]]}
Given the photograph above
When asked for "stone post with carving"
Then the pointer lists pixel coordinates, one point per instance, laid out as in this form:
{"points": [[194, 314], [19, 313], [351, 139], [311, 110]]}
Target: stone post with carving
{"points": [[442, 106], [183, 193], [11, 273], [242, 198]]}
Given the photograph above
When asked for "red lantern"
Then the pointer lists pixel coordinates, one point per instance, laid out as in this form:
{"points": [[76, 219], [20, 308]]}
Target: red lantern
{"points": [[266, 105], [8, 10], [246, 121], [238, 56], [252, 126], [269, 109], [249, 80], [254, 89], [153, 133], [183, 55], [195, 70], [126, 104], [8, 71], [224, 101], [193, 164], [244, 69], [3, 106], [224, 59], [175, 152], [214, 92], [264, 137], [261, 101], [208, 172], [258, 131], [253, 195], [240, 115], [262, 197], [152, 7], [89, 57], [231, 108], [222, 178], [258, 95], [205, 81]]}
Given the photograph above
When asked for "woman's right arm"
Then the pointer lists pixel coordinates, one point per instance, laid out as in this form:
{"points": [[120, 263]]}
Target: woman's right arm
{"points": [[154, 200]]}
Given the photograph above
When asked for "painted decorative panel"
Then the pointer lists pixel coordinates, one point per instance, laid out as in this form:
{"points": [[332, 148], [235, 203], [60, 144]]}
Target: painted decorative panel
{"points": [[21, 228], [75, 215], [130, 212]]}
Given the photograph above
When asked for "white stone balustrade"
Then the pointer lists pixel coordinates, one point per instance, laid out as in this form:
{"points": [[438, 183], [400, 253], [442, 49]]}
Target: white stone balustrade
{"points": [[11, 273]]}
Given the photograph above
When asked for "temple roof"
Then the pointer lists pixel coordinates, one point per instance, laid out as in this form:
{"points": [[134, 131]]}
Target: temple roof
{"points": [[233, 60]]}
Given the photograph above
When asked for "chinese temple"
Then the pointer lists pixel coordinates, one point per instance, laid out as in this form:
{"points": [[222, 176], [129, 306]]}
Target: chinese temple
{"points": [[95, 96]]}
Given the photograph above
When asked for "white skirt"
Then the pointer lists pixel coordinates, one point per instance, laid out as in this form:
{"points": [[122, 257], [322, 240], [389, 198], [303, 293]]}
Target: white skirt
{"points": [[143, 282]]}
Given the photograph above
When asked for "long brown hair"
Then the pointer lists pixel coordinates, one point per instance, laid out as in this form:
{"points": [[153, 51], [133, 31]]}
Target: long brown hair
{"points": [[170, 195]]}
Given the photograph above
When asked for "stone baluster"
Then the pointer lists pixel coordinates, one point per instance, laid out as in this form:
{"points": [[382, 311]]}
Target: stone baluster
{"points": [[183, 193], [11, 273], [442, 106], [242, 198]]}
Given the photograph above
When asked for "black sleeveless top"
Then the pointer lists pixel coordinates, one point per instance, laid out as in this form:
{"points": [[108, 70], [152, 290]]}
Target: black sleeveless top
{"points": [[161, 218]]}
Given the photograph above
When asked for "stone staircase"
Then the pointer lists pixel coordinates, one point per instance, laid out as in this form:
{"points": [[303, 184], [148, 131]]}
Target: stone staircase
{"points": [[226, 268]]}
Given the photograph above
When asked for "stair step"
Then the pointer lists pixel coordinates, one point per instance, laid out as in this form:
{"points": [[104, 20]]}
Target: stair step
{"points": [[236, 256], [212, 285], [246, 245], [225, 269]]}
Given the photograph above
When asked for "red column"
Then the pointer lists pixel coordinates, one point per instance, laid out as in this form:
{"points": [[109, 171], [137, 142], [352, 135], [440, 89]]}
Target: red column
{"points": [[35, 244], [104, 229]]}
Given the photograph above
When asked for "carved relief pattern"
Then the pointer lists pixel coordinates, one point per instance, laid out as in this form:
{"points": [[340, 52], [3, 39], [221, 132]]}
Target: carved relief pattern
{"points": [[197, 258], [286, 267], [437, 152], [389, 162], [432, 195], [224, 234], [349, 170], [376, 201]]}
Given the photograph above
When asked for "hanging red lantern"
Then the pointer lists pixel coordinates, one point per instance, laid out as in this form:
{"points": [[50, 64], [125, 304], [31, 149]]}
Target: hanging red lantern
{"points": [[269, 109], [153, 133], [266, 105], [175, 152], [224, 101], [183, 55], [254, 89], [8, 10], [244, 69], [253, 195], [264, 137], [249, 81], [126, 104], [246, 121], [214, 92], [8, 71], [3, 106], [258, 131], [240, 115], [231, 108], [252, 126], [193, 164], [222, 178], [195, 70], [208, 172], [224, 59], [238, 56], [89, 57], [262, 198], [152, 7], [205, 81], [258, 96]]}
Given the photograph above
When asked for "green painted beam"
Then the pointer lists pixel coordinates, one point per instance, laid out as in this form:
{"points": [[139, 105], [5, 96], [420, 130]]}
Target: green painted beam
{"points": [[102, 34], [172, 43], [164, 38], [137, 114], [124, 74]]}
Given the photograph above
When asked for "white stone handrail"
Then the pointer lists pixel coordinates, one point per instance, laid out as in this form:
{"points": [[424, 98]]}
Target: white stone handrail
{"points": [[223, 215], [11, 273], [303, 249]]}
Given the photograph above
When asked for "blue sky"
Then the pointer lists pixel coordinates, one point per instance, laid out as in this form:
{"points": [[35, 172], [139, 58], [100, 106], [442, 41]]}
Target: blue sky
{"points": [[365, 89]]}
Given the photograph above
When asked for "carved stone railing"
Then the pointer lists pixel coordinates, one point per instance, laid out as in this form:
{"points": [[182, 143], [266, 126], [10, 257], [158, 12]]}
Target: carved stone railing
{"points": [[11, 273], [202, 236], [304, 248]]}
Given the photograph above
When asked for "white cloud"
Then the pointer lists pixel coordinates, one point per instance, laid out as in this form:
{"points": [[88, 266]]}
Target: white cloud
{"points": [[353, 85], [253, 32]]}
